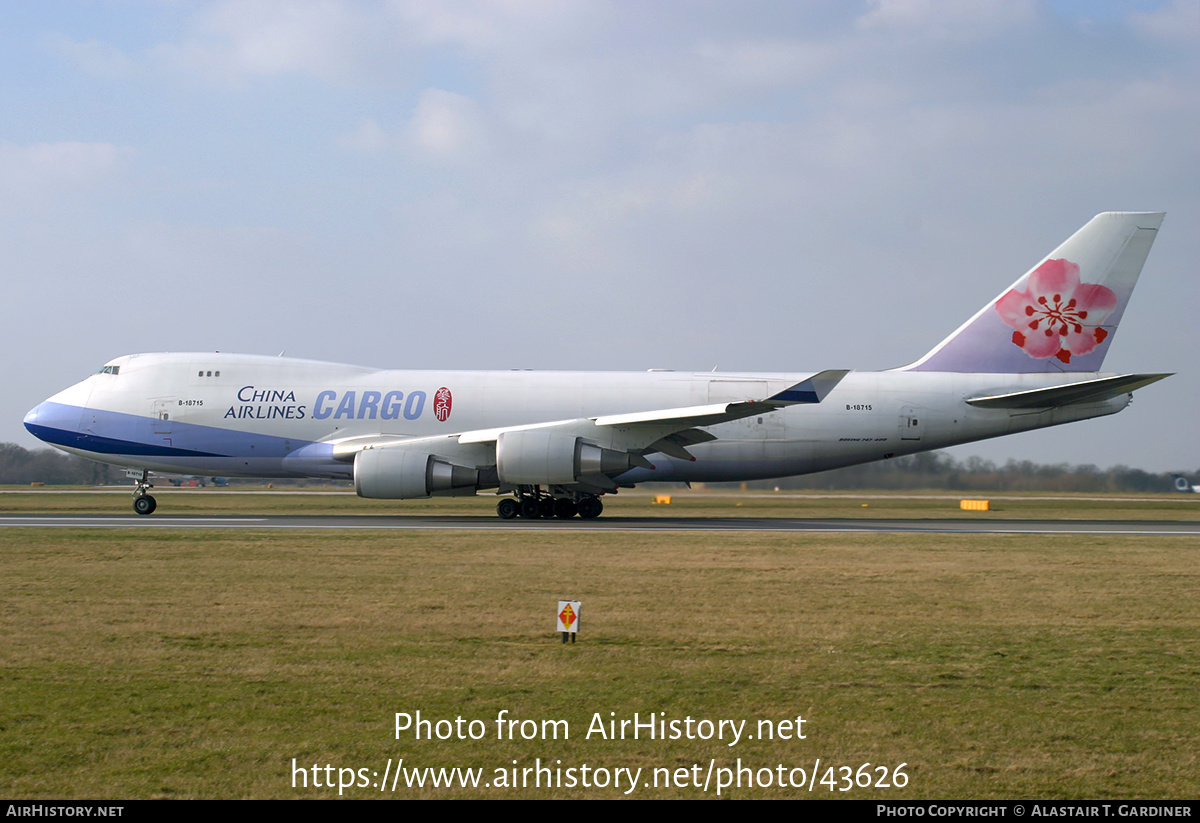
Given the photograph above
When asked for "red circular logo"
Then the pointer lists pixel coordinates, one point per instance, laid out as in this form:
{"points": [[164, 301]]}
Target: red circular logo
{"points": [[442, 401]]}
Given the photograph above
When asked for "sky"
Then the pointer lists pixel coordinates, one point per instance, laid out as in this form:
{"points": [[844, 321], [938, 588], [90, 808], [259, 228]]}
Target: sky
{"points": [[749, 186]]}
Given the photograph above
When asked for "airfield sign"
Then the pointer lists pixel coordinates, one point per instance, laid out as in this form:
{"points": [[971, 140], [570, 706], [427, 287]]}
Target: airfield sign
{"points": [[568, 618]]}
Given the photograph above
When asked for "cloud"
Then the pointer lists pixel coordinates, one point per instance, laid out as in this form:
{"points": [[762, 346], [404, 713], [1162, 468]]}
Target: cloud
{"points": [[488, 27], [447, 125], [1178, 21], [444, 126], [39, 170], [94, 57], [368, 138], [339, 43], [764, 62], [947, 19]]}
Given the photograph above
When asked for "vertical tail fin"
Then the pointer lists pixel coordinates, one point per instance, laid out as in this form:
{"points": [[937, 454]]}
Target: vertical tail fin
{"points": [[1062, 314]]}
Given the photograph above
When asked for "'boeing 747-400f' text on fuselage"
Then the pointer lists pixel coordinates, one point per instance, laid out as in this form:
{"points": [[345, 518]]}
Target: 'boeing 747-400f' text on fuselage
{"points": [[557, 441]]}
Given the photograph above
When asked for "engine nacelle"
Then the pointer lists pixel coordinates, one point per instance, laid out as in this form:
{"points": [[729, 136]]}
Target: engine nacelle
{"points": [[407, 474], [544, 458]]}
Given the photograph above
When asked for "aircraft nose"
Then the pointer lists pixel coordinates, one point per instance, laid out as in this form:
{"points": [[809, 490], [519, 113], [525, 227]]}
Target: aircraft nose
{"points": [[49, 422], [31, 418]]}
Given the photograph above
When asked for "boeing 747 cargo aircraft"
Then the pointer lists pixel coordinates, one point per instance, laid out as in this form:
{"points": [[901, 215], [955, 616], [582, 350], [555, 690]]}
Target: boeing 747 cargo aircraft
{"points": [[558, 441]]}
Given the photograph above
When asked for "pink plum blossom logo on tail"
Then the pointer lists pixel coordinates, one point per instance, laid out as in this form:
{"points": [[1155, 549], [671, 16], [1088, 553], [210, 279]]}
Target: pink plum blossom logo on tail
{"points": [[1057, 315], [442, 403]]}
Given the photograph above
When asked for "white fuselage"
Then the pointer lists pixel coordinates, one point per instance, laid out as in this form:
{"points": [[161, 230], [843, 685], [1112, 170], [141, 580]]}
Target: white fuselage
{"points": [[260, 416]]}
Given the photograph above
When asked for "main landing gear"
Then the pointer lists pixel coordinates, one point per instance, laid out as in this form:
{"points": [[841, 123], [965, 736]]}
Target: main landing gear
{"points": [[144, 503], [536, 504]]}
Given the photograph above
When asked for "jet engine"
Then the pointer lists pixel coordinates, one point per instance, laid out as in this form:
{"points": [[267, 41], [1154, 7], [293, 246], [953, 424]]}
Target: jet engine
{"points": [[405, 474], [540, 457]]}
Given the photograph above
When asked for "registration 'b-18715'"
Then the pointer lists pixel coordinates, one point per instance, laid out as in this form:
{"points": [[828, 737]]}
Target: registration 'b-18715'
{"points": [[555, 442]]}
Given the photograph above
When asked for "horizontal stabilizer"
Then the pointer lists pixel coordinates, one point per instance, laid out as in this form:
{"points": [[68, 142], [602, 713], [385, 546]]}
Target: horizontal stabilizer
{"points": [[1087, 391]]}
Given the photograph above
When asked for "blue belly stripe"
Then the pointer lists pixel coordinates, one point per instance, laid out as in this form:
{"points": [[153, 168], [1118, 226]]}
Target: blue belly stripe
{"points": [[108, 445]]}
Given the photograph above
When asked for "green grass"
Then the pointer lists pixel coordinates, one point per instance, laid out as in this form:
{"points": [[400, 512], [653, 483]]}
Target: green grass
{"points": [[630, 503], [199, 663]]}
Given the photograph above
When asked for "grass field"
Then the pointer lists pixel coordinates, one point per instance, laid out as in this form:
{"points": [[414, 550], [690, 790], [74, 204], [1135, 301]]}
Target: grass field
{"points": [[636, 503], [200, 663]]}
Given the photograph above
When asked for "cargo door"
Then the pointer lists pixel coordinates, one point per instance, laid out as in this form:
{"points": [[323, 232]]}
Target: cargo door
{"points": [[911, 423]]}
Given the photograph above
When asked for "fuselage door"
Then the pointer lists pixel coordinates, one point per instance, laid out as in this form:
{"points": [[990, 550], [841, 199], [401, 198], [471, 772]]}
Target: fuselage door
{"points": [[162, 416], [910, 422]]}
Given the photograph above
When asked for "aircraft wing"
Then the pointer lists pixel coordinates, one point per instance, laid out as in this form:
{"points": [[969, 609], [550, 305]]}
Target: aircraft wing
{"points": [[637, 433], [812, 390], [638, 430], [1086, 391], [345, 449]]}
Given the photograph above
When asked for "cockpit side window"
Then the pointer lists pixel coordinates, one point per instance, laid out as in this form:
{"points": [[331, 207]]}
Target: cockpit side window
{"points": [[110, 370]]}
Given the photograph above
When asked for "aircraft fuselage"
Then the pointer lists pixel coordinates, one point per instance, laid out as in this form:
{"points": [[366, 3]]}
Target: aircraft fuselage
{"points": [[274, 417]]}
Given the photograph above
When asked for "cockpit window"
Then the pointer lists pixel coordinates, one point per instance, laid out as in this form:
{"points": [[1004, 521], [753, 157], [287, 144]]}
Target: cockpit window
{"points": [[110, 370]]}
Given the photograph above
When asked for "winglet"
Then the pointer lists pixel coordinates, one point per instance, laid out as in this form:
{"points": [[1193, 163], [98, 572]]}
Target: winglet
{"points": [[812, 390]]}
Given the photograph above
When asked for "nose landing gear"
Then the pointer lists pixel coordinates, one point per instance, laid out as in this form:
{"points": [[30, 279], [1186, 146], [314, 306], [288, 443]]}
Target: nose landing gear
{"points": [[143, 502]]}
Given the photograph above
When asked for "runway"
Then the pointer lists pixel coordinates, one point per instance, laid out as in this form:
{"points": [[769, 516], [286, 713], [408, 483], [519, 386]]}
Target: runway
{"points": [[618, 524]]}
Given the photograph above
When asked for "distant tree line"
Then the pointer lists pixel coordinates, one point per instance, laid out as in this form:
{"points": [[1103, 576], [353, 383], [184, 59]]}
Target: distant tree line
{"points": [[23, 466], [937, 471], [929, 470]]}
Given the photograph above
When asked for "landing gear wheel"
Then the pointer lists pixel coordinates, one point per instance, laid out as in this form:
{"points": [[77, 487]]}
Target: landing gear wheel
{"points": [[590, 507], [143, 503], [508, 508], [565, 508], [531, 509]]}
